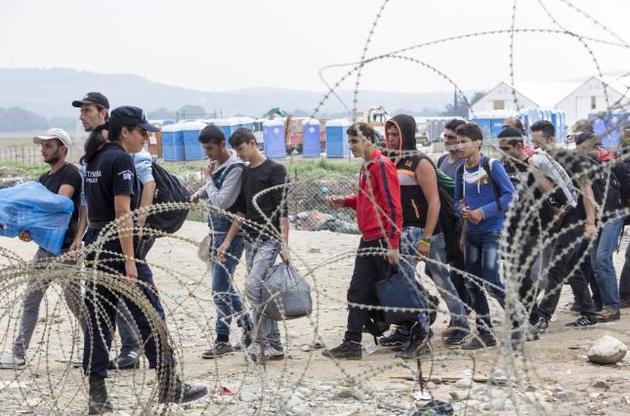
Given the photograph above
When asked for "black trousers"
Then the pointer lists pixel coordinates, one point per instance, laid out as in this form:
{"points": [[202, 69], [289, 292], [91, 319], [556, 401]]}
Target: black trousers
{"points": [[101, 302], [565, 258], [368, 269]]}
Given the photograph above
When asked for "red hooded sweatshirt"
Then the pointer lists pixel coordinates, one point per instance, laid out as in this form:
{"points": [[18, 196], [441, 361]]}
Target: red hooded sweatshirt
{"points": [[377, 203]]}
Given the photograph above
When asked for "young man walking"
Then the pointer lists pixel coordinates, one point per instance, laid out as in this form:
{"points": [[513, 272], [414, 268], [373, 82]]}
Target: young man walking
{"points": [[379, 215], [222, 192], [483, 192], [94, 112], [559, 174], [264, 208], [63, 178], [422, 233]]}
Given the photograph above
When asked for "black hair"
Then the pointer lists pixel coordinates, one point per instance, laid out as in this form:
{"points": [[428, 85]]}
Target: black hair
{"points": [[240, 136], [470, 130], [94, 144], [584, 136], [365, 129], [100, 108], [454, 124], [513, 134], [549, 131], [211, 134]]}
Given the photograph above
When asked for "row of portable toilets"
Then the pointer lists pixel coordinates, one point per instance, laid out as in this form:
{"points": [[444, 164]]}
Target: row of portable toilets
{"points": [[492, 125], [180, 140]]}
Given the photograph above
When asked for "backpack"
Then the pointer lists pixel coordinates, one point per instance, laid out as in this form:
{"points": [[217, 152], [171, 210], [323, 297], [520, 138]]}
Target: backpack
{"points": [[168, 189], [485, 164]]}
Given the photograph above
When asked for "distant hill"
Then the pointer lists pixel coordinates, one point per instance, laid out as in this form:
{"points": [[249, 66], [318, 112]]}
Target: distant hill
{"points": [[49, 92]]}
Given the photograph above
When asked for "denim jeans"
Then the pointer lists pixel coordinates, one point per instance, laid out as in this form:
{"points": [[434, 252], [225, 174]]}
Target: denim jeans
{"points": [[602, 262], [226, 299], [261, 256], [624, 279], [586, 266], [409, 241], [482, 261]]}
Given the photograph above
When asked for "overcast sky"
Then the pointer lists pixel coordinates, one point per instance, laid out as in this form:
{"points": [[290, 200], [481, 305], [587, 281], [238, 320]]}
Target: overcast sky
{"points": [[230, 44]]}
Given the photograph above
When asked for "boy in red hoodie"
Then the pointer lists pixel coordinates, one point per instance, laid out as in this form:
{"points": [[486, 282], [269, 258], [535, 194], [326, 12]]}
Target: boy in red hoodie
{"points": [[379, 215]]}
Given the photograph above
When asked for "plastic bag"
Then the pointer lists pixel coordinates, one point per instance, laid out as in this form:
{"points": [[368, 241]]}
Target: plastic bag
{"points": [[286, 294], [31, 207]]}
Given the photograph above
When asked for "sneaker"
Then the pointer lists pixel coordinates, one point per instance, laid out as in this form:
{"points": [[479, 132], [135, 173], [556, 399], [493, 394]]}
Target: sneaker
{"points": [[608, 315], [415, 349], [582, 322], [348, 350], [98, 398], [483, 340], [128, 361], [219, 349], [184, 393], [396, 338], [10, 361], [269, 353], [456, 337], [539, 327]]}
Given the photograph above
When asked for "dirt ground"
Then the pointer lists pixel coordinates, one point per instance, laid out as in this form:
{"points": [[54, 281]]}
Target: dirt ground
{"points": [[550, 376]]}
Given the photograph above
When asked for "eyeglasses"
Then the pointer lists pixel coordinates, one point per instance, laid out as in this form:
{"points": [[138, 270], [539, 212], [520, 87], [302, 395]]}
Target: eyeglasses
{"points": [[142, 131]]}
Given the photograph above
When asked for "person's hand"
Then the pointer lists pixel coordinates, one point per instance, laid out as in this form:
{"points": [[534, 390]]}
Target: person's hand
{"points": [[212, 165], [131, 271], [75, 248], [25, 236], [590, 231], [424, 248], [194, 198], [475, 216], [335, 201], [465, 212], [393, 256], [222, 251], [284, 254]]}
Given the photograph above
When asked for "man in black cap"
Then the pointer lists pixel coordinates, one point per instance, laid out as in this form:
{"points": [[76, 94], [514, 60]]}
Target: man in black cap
{"points": [[94, 113]]}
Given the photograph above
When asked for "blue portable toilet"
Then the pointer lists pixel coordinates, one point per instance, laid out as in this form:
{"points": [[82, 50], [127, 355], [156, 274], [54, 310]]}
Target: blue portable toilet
{"points": [[337, 138], [173, 143], [192, 147], [273, 138], [246, 122], [608, 127], [311, 138], [229, 126]]}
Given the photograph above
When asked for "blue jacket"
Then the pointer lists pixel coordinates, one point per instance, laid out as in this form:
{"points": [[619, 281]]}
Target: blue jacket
{"points": [[473, 186]]}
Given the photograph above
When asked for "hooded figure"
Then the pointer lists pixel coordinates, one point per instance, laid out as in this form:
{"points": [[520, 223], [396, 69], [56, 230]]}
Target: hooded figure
{"points": [[406, 157]]}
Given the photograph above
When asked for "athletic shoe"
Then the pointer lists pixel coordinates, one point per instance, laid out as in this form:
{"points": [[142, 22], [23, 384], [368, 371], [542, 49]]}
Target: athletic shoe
{"points": [[539, 327], [269, 353], [10, 361], [415, 349], [98, 398], [456, 337], [184, 393], [348, 350], [483, 340], [582, 322], [219, 349], [608, 315], [130, 360], [396, 338]]}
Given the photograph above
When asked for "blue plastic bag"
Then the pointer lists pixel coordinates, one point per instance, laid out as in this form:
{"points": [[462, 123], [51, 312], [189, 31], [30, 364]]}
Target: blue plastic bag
{"points": [[31, 207]]}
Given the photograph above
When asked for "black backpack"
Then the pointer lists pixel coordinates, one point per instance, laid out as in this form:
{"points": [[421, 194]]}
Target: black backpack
{"points": [[168, 189]]}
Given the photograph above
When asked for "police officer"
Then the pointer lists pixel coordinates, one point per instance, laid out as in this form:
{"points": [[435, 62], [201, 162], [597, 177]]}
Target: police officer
{"points": [[111, 191]]}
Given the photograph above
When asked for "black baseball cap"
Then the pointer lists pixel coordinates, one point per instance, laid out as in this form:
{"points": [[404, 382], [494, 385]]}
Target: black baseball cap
{"points": [[130, 116], [92, 98]]}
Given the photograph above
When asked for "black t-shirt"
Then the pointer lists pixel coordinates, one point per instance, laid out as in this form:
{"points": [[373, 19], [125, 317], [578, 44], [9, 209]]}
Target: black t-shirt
{"points": [[273, 204], [67, 175], [109, 174]]}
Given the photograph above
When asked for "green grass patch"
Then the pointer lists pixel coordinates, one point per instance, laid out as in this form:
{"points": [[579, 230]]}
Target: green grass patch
{"points": [[320, 168], [23, 169]]}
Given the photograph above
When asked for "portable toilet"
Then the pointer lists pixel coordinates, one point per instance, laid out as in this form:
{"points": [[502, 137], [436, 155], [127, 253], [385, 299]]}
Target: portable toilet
{"points": [[311, 139], [337, 138], [192, 147], [273, 138], [246, 122], [609, 126], [173, 143], [229, 126]]}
